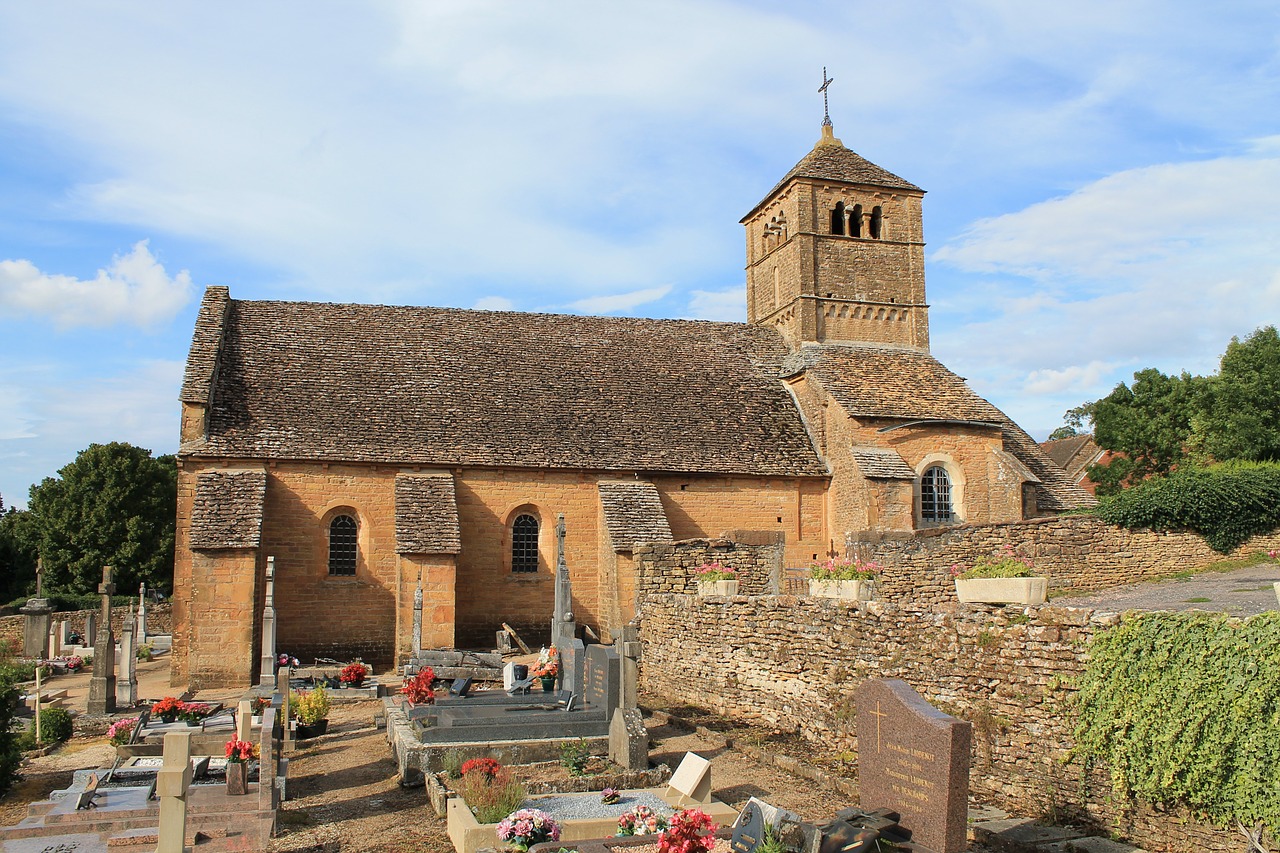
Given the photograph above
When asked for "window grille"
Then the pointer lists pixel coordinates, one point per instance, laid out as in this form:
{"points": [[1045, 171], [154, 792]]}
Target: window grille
{"points": [[935, 496], [343, 544], [524, 544]]}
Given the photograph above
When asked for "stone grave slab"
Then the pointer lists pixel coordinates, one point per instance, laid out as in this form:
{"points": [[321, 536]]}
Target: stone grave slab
{"points": [[913, 759], [691, 783]]}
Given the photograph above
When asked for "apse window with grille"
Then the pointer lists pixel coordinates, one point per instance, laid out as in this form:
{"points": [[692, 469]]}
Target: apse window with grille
{"points": [[343, 544], [935, 496], [524, 544]]}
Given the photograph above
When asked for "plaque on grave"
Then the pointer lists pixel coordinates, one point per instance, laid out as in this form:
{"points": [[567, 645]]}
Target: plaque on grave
{"points": [[748, 830], [914, 759], [460, 687], [600, 679], [691, 783]]}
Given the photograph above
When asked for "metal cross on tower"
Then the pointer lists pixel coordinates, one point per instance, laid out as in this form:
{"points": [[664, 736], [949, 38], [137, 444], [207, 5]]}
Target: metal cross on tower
{"points": [[826, 111]]}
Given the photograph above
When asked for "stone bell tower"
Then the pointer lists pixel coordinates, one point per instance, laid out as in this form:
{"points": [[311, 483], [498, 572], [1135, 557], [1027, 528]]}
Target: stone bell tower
{"points": [[835, 253]]}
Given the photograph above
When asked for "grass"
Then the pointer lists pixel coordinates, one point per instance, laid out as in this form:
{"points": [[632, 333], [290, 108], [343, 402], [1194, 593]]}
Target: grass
{"points": [[1254, 559], [1199, 599]]}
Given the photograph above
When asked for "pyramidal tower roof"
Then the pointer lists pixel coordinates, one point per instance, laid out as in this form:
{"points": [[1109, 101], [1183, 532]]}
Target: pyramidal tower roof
{"points": [[831, 161]]}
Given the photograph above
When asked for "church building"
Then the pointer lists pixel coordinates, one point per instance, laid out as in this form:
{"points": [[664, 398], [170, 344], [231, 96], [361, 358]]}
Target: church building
{"points": [[370, 449]]}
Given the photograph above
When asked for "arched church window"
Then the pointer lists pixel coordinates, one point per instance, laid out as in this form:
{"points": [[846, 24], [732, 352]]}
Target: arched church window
{"points": [[935, 496], [877, 217], [837, 218], [855, 221], [343, 545], [524, 544]]}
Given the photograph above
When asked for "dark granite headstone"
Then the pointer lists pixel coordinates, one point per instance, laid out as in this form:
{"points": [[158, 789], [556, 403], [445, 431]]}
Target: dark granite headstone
{"points": [[601, 675], [460, 686], [748, 830], [914, 759]]}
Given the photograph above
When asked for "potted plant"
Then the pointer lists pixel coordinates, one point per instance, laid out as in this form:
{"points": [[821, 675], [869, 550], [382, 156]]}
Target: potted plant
{"points": [[547, 668], [1003, 579], [193, 713], [688, 831], [311, 707], [239, 754], [167, 709], [526, 827], [844, 578], [418, 690], [716, 579], [353, 674], [121, 730], [260, 704]]}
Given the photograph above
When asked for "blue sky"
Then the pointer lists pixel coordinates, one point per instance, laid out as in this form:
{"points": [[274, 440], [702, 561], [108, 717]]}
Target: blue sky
{"points": [[1103, 178]]}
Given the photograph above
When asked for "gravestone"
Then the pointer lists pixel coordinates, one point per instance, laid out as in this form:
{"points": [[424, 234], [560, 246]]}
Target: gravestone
{"points": [[64, 633], [102, 686], [691, 783], [748, 829], [90, 628], [142, 613], [914, 759], [417, 617], [172, 782], [600, 680], [127, 685], [282, 687], [244, 720], [267, 663], [35, 627], [628, 738]]}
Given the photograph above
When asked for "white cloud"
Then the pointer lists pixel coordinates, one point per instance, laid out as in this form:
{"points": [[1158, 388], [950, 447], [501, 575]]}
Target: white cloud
{"points": [[620, 302], [1077, 378], [494, 303], [729, 305], [134, 290]]}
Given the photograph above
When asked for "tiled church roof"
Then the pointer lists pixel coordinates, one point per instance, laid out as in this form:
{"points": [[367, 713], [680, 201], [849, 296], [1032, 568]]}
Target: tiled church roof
{"points": [[426, 515], [882, 463], [444, 386], [878, 381], [633, 514], [837, 163], [227, 512]]}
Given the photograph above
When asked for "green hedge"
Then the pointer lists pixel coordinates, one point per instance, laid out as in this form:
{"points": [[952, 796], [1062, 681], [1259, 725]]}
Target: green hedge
{"points": [[1226, 504], [1185, 708], [64, 602]]}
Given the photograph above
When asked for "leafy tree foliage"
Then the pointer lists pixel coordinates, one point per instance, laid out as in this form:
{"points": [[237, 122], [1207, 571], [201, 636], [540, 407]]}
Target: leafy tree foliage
{"points": [[114, 505], [1182, 708], [1239, 415], [17, 553], [1149, 423], [1063, 432]]}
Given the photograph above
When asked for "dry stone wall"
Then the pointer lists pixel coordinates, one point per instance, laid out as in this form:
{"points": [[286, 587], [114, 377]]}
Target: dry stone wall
{"points": [[792, 663], [673, 567], [159, 621], [1076, 553]]}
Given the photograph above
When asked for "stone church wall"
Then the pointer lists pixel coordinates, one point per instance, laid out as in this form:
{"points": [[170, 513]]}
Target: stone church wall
{"points": [[1076, 553], [792, 663]]}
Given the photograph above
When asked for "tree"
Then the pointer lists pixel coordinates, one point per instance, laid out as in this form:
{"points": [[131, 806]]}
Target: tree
{"points": [[18, 550], [1149, 424], [1239, 415], [1063, 432], [114, 505]]}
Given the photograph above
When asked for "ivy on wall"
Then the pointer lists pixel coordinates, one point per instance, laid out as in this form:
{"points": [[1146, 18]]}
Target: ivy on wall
{"points": [[1185, 708], [1226, 504]]}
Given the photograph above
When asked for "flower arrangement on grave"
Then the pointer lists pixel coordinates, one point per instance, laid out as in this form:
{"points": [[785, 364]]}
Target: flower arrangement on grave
{"points": [[73, 662], [690, 831], [488, 767], [310, 706], [121, 730], [715, 571], [524, 828], [194, 712], [167, 709], [609, 796], [1006, 564], [641, 820], [353, 674], [240, 751], [844, 569], [548, 665], [418, 689], [286, 660], [260, 704]]}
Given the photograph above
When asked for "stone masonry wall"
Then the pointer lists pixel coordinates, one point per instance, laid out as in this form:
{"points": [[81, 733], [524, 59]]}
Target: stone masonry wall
{"points": [[159, 621], [1075, 552], [793, 663], [672, 568]]}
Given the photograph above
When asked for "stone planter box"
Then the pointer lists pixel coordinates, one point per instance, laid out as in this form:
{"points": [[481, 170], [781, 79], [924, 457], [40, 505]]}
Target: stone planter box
{"points": [[1002, 590], [718, 587], [845, 590]]}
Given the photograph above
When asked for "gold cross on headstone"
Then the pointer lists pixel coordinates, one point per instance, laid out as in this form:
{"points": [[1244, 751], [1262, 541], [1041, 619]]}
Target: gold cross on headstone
{"points": [[878, 714]]}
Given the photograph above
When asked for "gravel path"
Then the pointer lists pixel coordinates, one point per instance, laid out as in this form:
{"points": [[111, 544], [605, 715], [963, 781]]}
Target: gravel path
{"points": [[1242, 592]]}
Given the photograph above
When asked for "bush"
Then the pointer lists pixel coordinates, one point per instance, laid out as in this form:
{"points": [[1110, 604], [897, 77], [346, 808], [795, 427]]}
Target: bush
{"points": [[451, 763], [310, 706], [494, 797], [1226, 504], [55, 725], [575, 756], [10, 748]]}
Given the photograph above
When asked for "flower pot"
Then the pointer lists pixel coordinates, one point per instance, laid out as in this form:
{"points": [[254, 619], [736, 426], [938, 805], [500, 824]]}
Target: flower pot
{"points": [[168, 718], [1002, 590], [237, 777], [309, 730], [845, 590], [548, 683], [353, 684], [718, 587]]}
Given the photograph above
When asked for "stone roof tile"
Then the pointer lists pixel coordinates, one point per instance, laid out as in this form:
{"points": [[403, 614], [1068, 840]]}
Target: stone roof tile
{"points": [[882, 463], [227, 510], [426, 515], [633, 514], [446, 387], [202, 358], [837, 163]]}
